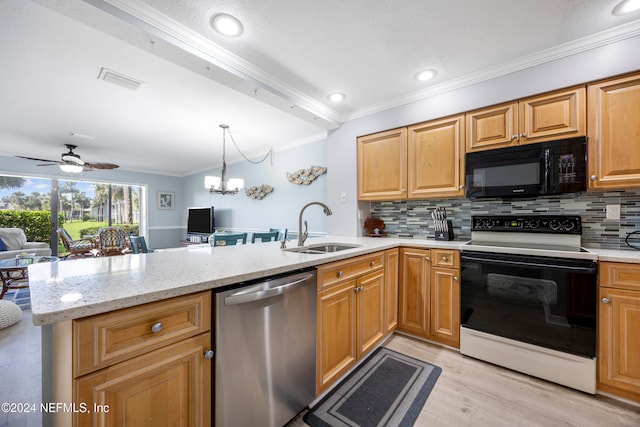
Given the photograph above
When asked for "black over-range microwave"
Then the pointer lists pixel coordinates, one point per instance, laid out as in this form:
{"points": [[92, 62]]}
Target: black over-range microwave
{"points": [[528, 170]]}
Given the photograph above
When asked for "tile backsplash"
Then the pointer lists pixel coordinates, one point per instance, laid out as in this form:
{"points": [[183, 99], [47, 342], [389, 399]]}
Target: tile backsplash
{"points": [[414, 216]]}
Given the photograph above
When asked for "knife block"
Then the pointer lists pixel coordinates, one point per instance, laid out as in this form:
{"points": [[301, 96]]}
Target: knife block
{"points": [[446, 234]]}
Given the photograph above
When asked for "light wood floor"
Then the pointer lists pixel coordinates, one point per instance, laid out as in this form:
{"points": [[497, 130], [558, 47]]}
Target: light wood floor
{"points": [[470, 392], [20, 371]]}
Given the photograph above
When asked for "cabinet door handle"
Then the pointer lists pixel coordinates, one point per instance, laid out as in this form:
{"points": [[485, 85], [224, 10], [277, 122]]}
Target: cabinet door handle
{"points": [[514, 136], [593, 177], [455, 278], [358, 288], [404, 190], [427, 259], [523, 135], [208, 354], [339, 273], [606, 300], [156, 327]]}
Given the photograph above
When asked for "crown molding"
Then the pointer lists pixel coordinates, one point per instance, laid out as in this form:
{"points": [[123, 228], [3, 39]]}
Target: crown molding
{"points": [[574, 47], [152, 21]]}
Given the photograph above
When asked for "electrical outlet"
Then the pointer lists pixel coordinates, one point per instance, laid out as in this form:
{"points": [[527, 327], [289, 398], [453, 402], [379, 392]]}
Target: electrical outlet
{"points": [[613, 211]]}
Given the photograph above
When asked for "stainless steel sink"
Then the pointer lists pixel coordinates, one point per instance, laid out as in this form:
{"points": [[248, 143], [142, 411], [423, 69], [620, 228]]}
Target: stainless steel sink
{"points": [[322, 248]]}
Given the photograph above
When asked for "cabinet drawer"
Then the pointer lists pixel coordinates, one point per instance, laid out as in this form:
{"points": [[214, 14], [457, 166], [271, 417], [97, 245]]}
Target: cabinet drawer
{"points": [[447, 258], [620, 275], [335, 272], [103, 340]]}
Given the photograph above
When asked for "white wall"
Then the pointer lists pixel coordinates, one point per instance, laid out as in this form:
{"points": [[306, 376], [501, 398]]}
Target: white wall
{"points": [[281, 208], [587, 66]]}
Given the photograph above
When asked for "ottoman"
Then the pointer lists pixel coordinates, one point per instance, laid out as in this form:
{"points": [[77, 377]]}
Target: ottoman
{"points": [[10, 313]]}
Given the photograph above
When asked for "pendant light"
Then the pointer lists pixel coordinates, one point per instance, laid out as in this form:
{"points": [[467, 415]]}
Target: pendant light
{"points": [[220, 185]]}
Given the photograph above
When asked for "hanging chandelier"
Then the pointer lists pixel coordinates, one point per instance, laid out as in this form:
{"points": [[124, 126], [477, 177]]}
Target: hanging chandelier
{"points": [[220, 185]]}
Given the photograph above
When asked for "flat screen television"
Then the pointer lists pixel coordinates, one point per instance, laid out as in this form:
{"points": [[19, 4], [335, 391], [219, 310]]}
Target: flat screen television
{"points": [[200, 220]]}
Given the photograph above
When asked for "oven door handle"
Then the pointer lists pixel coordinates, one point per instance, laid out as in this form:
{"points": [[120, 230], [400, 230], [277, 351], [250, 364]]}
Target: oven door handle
{"points": [[589, 270]]}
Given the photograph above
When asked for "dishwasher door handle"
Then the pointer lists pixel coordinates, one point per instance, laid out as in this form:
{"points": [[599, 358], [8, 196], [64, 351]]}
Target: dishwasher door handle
{"points": [[241, 298]]}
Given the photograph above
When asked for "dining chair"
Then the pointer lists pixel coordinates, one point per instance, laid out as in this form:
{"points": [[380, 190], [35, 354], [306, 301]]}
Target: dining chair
{"points": [[228, 239], [112, 241], [265, 237], [138, 245], [282, 233], [82, 247]]}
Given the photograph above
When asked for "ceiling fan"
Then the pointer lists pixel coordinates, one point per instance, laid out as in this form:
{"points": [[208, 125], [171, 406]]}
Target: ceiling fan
{"points": [[71, 162]]}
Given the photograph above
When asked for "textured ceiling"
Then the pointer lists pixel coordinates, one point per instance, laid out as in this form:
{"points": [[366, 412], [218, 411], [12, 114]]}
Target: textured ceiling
{"points": [[270, 84]]}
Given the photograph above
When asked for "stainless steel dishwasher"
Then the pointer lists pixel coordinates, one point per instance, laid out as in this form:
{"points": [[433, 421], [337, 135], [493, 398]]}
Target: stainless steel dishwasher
{"points": [[265, 359]]}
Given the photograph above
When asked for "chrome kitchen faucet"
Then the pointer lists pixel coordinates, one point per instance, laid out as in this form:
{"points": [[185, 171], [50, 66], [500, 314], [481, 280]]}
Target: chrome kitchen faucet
{"points": [[303, 236]]}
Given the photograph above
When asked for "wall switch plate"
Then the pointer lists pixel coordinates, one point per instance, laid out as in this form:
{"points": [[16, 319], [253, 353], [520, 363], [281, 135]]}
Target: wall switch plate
{"points": [[343, 197], [613, 211]]}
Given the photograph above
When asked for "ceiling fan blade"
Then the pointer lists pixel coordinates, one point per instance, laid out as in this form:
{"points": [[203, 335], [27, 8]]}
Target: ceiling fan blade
{"points": [[41, 160], [90, 165]]}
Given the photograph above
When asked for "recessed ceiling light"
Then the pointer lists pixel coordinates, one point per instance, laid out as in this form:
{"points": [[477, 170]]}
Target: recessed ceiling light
{"points": [[226, 25], [626, 6], [425, 75], [336, 97]]}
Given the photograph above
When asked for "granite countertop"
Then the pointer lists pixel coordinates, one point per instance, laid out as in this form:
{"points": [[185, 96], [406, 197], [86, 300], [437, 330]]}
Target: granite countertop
{"points": [[83, 287]]}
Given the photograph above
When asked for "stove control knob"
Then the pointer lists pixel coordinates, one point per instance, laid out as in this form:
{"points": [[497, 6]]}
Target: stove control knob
{"points": [[489, 223], [555, 225], [533, 223], [568, 225]]}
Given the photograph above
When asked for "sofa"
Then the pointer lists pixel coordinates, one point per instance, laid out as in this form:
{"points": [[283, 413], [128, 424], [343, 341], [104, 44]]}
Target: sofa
{"points": [[15, 242]]}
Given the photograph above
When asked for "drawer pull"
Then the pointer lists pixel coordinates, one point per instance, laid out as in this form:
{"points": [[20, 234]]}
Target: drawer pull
{"points": [[372, 263], [208, 354], [444, 259], [156, 327], [606, 300], [339, 273]]}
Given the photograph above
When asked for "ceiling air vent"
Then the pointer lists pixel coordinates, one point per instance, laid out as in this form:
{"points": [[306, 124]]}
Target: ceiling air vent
{"points": [[119, 79]]}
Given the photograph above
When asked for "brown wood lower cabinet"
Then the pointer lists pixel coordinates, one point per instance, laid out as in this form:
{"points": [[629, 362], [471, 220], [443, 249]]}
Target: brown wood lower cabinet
{"points": [[429, 294], [618, 330], [148, 365], [166, 387], [351, 318]]}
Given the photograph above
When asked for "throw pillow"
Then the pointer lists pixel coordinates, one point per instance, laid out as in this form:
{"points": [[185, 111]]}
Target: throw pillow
{"points": [[3, 247]]}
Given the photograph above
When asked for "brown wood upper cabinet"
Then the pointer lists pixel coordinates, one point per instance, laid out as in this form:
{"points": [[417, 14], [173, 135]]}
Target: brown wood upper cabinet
{"points": [[420, 162], [614, 133], [382, 165], [554, 115]]}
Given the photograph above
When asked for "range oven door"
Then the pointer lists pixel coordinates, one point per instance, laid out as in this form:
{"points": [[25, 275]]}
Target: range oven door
{"points": [[543, 301]]}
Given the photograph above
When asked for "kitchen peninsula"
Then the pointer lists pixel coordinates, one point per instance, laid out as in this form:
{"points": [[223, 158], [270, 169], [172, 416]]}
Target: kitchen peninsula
{"points": [[75, 290]]}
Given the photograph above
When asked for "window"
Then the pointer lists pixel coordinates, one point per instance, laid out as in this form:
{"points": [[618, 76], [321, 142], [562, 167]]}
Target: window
{"points": [[82, 206]]}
